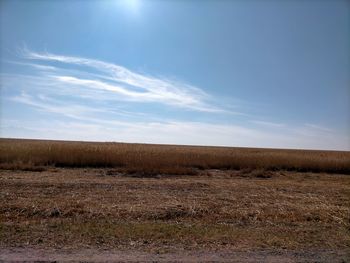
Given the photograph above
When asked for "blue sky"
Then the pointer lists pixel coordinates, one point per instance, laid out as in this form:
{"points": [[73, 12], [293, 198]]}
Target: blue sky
{"points": [[231, 73]]}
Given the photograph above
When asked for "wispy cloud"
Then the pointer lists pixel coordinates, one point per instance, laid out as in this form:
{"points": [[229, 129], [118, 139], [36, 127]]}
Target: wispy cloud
{"points": [[170, 132], [49, 105], [85, 99], [319, 128], [268, 124], [81, 123], [34, 65], [128, 84], [86, 123]]}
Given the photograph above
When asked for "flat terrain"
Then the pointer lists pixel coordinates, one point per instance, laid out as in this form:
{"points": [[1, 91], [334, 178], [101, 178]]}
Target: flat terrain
{"points": [[249, 215], [93, 201]]}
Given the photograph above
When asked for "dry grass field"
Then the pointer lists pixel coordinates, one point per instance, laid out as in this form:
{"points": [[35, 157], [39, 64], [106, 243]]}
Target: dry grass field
{"points": [[169, 159], [161, 199]]}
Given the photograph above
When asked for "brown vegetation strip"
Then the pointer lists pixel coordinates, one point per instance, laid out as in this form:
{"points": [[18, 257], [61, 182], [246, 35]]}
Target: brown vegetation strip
{"points": [[147, 159]]}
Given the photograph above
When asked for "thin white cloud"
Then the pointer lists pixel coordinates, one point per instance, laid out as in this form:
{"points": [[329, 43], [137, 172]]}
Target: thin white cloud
{"points": [[99, 126], [128, 84], [268, 124], [34, 65], [176, 132], [79, 113], [319, 128], [48, 105]]}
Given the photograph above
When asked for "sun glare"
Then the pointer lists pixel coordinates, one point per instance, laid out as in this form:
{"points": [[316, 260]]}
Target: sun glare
{"points": [[133, 5]]}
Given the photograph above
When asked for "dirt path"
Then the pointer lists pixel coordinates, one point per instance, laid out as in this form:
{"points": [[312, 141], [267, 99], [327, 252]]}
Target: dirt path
{"points": [[92, 255]]}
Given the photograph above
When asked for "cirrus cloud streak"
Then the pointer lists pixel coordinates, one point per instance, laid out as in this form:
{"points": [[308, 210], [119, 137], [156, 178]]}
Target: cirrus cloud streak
{"points": [[128, 84]]}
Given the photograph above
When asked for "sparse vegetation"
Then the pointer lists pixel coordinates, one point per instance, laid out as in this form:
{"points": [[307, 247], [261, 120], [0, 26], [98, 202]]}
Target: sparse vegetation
{"points": [[214, 209]]}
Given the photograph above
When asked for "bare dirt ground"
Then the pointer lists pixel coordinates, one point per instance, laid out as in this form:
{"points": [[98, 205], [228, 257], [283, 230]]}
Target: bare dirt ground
{"points": [[104, 215]]}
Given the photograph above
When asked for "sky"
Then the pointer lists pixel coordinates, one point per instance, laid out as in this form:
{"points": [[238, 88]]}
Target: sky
{"points": [[272, 74]]}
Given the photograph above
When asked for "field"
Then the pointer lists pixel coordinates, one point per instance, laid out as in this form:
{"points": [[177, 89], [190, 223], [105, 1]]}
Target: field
{"points": [[146, 200], [169, 159]]}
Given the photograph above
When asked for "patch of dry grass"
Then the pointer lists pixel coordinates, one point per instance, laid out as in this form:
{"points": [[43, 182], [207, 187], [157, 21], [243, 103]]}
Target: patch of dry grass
{"points": [[235, 209], [168, 159], [108, 234]]}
